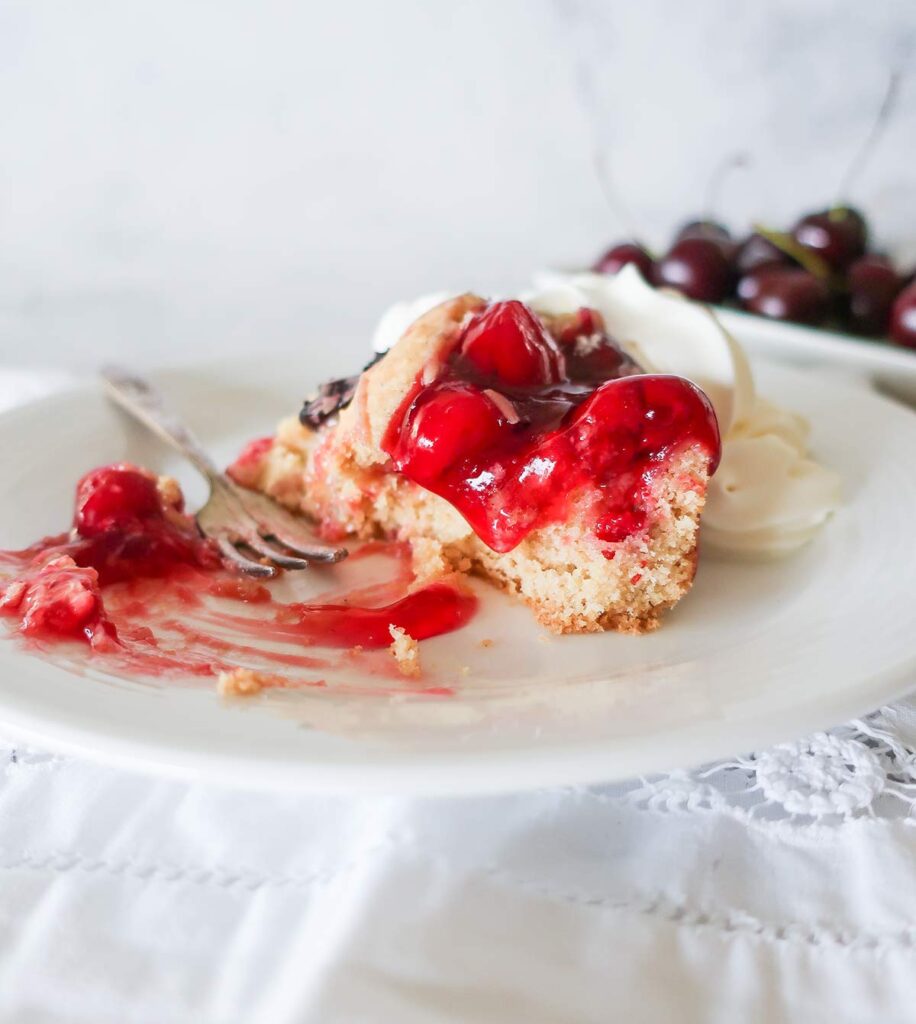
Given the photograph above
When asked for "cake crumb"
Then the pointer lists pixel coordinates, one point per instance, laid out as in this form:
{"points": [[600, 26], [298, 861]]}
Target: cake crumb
{"points": [[406, 651], [487, 642], [465, 670], [240, 682], [170, 491]]}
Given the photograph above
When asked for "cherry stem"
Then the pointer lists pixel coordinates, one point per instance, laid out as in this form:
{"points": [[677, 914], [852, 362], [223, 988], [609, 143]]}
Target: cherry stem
{"points": [[865, 150], [815, 265], [609, 193], [587, 99], [717, 179]]}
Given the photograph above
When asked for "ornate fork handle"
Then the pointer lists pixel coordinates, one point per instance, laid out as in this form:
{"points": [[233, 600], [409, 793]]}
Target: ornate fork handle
{"points": [[138, 397]]}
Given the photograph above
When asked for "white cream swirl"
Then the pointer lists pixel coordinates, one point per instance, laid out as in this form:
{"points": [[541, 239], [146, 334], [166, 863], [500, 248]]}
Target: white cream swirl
{"points": [[767, 497], [397, 318]]}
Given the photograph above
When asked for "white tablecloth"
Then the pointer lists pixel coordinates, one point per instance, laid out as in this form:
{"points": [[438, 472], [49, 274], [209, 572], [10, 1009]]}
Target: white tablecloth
{"points": [[780, 886]]}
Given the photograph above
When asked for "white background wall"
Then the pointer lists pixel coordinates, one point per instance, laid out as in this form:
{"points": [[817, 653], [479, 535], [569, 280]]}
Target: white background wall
{"points": [[184, 178]]}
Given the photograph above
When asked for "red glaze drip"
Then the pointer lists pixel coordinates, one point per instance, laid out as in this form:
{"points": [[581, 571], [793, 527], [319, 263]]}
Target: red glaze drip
{"points": [[134, 570], [512, 440]]}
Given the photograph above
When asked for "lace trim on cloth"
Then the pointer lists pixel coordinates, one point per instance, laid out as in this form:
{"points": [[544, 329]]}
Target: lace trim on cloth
{"points": [[862, 770]]}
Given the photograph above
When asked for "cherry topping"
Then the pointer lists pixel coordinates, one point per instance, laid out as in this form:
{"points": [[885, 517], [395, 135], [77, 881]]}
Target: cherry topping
{"points": [[513, 461], [508, 341], [838, 236], [903, 317], [872, 284], [785, 293], [698, 268], [620, 255], [449, 423]]}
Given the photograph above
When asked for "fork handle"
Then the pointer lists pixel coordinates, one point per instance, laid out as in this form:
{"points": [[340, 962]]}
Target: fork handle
{"points": [[137, 396]]}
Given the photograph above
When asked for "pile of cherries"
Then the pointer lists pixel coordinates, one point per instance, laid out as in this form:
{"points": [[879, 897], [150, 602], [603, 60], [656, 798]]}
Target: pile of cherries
{"points": [[819, 273]]}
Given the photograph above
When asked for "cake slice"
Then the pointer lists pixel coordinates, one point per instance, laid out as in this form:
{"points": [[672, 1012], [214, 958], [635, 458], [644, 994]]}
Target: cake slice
{"points": [[531, 451]]}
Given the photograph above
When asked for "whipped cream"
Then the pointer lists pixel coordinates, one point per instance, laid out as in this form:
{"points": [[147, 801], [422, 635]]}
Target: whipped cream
{"points": [[768, 497], [397, 318]]}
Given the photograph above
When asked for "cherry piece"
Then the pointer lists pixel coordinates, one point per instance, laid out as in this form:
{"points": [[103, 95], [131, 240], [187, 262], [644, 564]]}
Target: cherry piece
{"points": [[903, 317], [839, 235], [619, 256], [508, 341], [114, 497], [756, 251], [56, 597], [126, 530], [617, 526], [698, 268], [785, 293], [448, 424], [590, 354], [872, 284]]}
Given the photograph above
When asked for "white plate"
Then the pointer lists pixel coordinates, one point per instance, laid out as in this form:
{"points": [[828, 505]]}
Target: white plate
{"points": [[756, 653], [890, 367]]}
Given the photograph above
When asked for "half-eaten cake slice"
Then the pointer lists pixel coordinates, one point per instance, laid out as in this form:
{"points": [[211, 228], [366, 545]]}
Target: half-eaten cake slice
{"points": [[529, 450]]}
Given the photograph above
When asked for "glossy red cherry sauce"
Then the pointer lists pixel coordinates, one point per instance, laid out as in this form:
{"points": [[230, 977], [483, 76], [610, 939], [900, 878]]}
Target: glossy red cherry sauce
{"points": [[136, 580], [524, 421]]}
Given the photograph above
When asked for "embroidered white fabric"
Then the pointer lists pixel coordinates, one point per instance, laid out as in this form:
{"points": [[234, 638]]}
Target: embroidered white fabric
{"points": [[780, 885], [863, 769]]}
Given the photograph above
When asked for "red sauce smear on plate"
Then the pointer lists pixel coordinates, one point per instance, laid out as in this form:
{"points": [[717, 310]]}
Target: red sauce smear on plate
{"points": [[135, 580]]}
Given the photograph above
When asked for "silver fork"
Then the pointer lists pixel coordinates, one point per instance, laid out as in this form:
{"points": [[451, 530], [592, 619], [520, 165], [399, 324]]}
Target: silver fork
{"points": [[237, 519]]}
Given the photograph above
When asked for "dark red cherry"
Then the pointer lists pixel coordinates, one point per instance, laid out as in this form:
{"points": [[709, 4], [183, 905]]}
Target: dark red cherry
{"points": [[838, 236], [872, 284], [449, 423], [756, 251], [903, 317], [590, 354], [785, 293], [711, 231], [619, 256], [508, 341], [698, 268], [115, 497]]}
